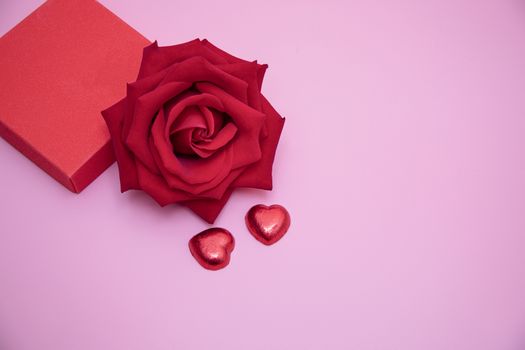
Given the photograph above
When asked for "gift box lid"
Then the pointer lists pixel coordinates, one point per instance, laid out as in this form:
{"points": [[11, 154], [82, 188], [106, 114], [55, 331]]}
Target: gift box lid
{"points": [[60, 67]]}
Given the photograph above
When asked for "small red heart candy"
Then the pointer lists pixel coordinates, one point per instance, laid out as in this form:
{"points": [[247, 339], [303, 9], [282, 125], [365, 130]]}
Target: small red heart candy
{"points": [[212, 248], [267, 224]]}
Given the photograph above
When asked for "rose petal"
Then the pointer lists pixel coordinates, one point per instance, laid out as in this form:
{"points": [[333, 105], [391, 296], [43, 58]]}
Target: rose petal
{"points": [[155, 58], [126, 164], [248, 73], [222, 138], [208, 209], [157, 187], [232, 59], [210, 120], [251, 73], [190, 118], [219, 118], [133, 92], [259, 175], [213, 189], [218, 191], [206, 100], [146, 108], [197, 69], [227, 56], [260, 74], [195, 172], [181, 142], [249, 122]]}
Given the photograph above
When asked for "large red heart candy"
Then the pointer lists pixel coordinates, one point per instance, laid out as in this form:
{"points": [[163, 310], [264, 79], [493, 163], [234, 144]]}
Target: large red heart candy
{"points": [[267, 224], [212, 248]]}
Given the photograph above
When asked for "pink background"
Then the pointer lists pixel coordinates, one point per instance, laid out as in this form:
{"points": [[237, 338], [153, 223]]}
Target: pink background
{"points": [[402, 164]]}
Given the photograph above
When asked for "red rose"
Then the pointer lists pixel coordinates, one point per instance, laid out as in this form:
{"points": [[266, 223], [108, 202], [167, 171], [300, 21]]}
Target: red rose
{"points": [[193, 127]]}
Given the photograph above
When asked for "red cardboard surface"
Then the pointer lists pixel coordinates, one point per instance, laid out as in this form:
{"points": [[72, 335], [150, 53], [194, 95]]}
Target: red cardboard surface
{"points": [[59, 68]]}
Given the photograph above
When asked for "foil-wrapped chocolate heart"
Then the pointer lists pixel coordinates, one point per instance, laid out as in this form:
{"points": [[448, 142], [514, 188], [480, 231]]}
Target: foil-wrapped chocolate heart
{"points": [[267, 224], [212, 248]]}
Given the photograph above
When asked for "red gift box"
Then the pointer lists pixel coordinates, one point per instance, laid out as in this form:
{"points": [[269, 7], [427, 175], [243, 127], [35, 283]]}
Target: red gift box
{"points": [[59, 68]]}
